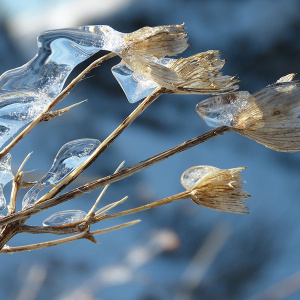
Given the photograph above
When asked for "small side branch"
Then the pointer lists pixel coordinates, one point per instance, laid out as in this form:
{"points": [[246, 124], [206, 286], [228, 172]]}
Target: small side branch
{"points": [[84, 235]]}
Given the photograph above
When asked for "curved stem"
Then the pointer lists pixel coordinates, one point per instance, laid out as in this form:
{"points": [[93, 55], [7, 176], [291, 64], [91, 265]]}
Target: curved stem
{"points": [[59, 98]]}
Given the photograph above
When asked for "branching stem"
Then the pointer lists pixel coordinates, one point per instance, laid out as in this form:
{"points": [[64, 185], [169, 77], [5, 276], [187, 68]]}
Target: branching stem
{"points": [[115, 177], [108, 141], [83, 235]]}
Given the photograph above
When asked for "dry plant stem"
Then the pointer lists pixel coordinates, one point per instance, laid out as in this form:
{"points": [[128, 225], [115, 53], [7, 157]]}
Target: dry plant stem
{"points": [[59, 98], [115, 177], [108, 141], [15, 187], [180, 196], [83, 235], [66, 229]]}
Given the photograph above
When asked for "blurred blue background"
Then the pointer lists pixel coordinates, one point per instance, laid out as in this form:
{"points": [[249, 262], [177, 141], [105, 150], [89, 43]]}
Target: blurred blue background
{"points": [[178, 251]]}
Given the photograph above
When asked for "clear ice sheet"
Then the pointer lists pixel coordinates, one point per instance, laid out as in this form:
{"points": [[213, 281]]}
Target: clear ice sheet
{"points": [[64, 217], [222, 110], [68, 158], [26, 91], [192, 175], [136, 87], [5, 177]]}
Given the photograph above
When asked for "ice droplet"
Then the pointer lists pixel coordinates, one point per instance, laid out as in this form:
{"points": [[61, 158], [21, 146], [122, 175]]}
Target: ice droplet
{"points": [[68, 158], [26, 91], [192, 175], [64, 217], [222, 110], [136, 87]]}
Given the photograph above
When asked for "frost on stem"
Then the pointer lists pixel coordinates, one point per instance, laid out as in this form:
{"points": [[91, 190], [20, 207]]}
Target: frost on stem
{"points": [[216, 188], [68, 158], [269, 116]]}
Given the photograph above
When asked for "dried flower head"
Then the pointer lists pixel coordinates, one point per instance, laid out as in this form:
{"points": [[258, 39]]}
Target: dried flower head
{"points": [[197, 74], [200, 74], [216, 188], [157, 41], [269, 116]]}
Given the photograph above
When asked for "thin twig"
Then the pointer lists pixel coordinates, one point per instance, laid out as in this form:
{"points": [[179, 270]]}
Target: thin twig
{"points": [[59, 98], [83, 235], [101, 194], [15, 187], [167, 200], [108, 141], [115, 177], [52, 114]]}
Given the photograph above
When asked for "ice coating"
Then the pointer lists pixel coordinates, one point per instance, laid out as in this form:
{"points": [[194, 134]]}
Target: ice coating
{"points": [[2, 199], [68, 158], [64, 217], [136, 87], [192, 175], [26, 91], [5, 177], [222, 110]]}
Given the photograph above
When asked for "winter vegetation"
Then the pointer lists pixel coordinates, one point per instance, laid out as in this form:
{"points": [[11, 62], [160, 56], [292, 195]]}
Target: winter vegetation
{"points": [[152, 65]]}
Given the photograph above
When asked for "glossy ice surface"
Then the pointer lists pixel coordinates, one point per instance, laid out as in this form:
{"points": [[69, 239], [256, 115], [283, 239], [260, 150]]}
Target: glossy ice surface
{"points": [[64, 217], [222, 110], [68, 158], [192, 175], [5, 177], [26, 91]]}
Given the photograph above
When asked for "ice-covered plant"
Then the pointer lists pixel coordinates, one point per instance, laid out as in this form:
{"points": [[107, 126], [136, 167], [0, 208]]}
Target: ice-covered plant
{"points": [[147, 70]]}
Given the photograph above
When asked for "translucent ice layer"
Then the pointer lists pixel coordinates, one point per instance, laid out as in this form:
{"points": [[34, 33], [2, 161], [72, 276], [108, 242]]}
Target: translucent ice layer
{"points": [[136, 87], [5, 177], [222, 110], [192, 175], [64, 217], [26, 91], [68, 158]]}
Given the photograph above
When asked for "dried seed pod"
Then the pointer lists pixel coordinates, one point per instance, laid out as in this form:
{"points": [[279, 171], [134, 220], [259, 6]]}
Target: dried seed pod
{"points": [[269, 116], [159, 41], [197, 74], [216, 188]]}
